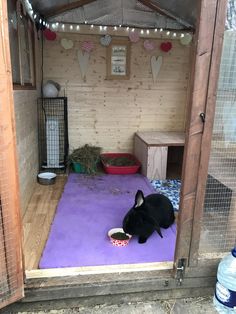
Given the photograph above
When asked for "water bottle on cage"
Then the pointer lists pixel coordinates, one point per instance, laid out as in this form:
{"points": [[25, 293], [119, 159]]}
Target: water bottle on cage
{"points": [[225, 293]]}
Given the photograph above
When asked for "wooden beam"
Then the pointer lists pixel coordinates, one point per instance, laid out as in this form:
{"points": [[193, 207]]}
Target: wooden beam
{"points": [[161, 11], [85, 287], [208, 20], [67, 7]]}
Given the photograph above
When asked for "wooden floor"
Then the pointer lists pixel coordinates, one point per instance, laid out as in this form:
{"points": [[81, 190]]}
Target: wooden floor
{"points": [[38, 218]]}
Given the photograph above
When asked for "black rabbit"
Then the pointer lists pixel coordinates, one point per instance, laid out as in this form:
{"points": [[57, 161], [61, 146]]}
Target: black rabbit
{"points": [[147, 215]]}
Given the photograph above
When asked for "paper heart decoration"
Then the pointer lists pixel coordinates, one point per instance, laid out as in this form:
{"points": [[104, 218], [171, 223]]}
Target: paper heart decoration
{"points": [[87, 46], [156, 63], [105, 40], [67, 43], [186, 40], [134, 37], [166, 46], [49, 35], [149, 45], [83, 58]]}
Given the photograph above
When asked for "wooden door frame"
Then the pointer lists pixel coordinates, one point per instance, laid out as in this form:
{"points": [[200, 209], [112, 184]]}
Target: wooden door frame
{"points": [[203, 81], [11, 219], [202, 97]]}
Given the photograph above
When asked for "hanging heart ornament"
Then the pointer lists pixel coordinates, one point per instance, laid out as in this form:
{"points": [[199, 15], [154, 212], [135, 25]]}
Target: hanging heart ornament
{"points": [[87, 46], [83, 58], [105, 40], [156, 63], [149, 45], [67, 43], [49, 35], [186, 40], [134, 37], [166, 46]]}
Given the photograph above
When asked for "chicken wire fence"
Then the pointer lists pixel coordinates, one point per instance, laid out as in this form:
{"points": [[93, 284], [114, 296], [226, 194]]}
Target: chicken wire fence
{"points": [[10, 285], [218, 232]]}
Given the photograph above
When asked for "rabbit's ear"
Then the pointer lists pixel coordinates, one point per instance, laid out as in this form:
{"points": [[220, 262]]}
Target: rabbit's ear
{"points": [[139, 199]]}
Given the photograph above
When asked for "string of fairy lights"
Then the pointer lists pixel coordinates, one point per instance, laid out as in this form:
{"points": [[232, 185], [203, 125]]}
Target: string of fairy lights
{"points": [[69, 27], [56, 26]]}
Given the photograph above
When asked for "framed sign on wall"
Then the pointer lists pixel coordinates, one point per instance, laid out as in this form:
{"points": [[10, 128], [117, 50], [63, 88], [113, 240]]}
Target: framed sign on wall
{"points": [[118, 60]]}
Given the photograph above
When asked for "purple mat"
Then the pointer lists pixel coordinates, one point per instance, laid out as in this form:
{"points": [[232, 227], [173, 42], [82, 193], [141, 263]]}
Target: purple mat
{"points": [[88, 208]]}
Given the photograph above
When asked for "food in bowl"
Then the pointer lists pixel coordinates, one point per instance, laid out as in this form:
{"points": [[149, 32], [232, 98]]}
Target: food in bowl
{"points": [[118, 237]]}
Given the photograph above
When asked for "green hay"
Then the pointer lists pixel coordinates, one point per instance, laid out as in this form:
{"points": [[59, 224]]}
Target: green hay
{"points": [[119, 161], [88, 156]]}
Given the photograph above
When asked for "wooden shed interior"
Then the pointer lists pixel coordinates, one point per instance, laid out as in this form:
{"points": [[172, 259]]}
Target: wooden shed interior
{"points": [[103, 111], [164, 104]]}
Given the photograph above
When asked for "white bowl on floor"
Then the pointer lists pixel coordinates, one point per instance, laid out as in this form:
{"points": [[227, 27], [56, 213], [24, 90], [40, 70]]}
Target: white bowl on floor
{"points": [[118, 242], [47, 178]]}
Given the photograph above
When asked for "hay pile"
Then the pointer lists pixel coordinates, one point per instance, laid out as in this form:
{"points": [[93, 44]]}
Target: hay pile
{"points": [[87, 156]]}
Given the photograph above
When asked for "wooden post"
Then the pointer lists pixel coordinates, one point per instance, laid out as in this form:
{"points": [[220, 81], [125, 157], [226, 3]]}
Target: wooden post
{"points": [[10, 224], [208, 129], [203, 85]]}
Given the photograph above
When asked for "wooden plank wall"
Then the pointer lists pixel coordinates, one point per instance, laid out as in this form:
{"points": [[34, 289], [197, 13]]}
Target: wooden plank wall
{"points": [[25, 105], [108, 112], [25, 110]]}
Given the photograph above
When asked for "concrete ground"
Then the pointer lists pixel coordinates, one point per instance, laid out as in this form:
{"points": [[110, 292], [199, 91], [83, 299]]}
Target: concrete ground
{"points": [[181, 306]]}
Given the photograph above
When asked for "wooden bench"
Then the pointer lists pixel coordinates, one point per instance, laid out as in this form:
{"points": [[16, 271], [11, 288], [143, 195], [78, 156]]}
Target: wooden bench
{"points": [[151, 149]]}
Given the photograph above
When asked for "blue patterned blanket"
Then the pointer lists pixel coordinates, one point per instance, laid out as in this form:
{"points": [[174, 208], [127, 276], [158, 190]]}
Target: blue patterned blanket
{"points": [[170, 188]]}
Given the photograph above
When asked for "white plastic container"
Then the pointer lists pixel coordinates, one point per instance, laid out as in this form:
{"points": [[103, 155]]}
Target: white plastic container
{"points": [[225, 293]]}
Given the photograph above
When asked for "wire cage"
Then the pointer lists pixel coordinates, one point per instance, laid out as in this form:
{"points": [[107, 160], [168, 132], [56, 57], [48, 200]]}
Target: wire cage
{"points": [[53, 133], [218, 232]]}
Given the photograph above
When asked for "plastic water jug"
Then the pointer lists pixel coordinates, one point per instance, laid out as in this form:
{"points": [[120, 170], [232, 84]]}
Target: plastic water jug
{"points": [[225, 292]]}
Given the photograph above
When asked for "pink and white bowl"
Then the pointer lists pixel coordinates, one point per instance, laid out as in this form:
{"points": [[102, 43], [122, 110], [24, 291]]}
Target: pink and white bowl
{"points": [[116, 242]]}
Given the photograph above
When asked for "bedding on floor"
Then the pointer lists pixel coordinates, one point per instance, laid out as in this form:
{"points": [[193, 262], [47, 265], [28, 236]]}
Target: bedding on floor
{"points": [[88, 208]]}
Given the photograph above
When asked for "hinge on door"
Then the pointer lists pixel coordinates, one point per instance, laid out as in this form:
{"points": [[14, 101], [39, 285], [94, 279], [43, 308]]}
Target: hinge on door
{"points": [[180, 271]]}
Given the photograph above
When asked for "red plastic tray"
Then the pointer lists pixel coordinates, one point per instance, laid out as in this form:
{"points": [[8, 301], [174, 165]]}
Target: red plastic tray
{"points": [[121, 169]]}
